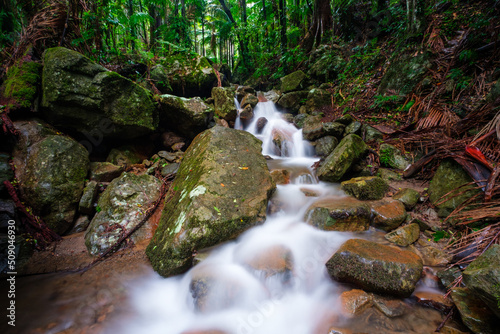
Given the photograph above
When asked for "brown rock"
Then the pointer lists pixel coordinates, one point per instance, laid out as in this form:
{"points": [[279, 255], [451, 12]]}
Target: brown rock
{"points": [[388, 214], [355, 302], [280, 176]]}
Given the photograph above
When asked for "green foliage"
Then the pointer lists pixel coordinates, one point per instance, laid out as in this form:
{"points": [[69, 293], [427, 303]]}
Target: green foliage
{"points": [[440, 235]]}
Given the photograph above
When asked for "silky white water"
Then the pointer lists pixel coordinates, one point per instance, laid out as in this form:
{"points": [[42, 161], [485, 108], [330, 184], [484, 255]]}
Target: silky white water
{"points": [[243, 300]]}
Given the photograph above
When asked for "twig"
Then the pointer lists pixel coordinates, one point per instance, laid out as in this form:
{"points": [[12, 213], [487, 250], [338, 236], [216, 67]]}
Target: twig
{"points": [[448, 316]]}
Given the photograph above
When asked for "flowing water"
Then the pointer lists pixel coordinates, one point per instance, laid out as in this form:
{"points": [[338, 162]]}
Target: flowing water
{"points": [[237, 296]]}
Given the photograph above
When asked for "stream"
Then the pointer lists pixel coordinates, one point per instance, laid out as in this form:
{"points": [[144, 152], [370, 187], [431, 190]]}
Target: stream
{"points": [[240, 299]]}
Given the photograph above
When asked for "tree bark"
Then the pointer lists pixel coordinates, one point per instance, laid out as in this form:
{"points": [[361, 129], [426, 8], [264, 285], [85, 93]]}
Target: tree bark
{"points": [[322, 21]]}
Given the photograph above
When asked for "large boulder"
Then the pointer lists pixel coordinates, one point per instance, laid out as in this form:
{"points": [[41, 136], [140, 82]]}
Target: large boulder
{"points": [[365, 187], [292, 101], [450, 176], [120, 209], [51, 169], [388, 214], [293, 81], [185, 75], [474, 312], [349, 150], [84, 96], [482, 276], [376, 267], [187, 116], [221, 189], [224, 103], [404, 74]]}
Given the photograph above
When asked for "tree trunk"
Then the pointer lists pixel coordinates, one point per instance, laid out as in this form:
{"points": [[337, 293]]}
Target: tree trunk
{"points": [[203, 35], [132, 26], [282, 7], [415, 16], [322, 21], [241, 41]]}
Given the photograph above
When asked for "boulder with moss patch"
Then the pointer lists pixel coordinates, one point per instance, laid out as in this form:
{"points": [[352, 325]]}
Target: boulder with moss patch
{"points": [[376, 267], [293, 81], [366, 187], [350, 149], [404, 74], [390, 156], [84, 96], [221, 189], [187, 116], [224, 103], [21, 83]]}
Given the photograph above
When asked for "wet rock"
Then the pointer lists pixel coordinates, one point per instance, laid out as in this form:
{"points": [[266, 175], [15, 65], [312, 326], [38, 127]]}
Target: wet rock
{"points": [[51, 170], [430, 253], [388, 214], [104, 171], [125, 156], [81, 224], [371, 134], [448, 276], [355, 302], [243, 91], [390, 307], [292, 101], [376, 267], [169, 156], [365, 187], [272, 261], [482, 277], [404, 235], [246, 115], [287, 117], [433, 300], [271, 96], [299, 120], [345, 119], [449, 176], [21, 84], [409, 197], [317, 99], [86, 205], [84, 96], [349, 150], [353, 128], [390, 156], [474, 312], [222, 188], [281, 139], [185, 76], [403, 75], [313, 128], [337, 330], [293, 81], [261, 123], [170, 168], [187, 116], [325, 145], [280, 176], [6, 172], [339, 214], [224, 103], [334, 129], [119, 209], [249, 99]]}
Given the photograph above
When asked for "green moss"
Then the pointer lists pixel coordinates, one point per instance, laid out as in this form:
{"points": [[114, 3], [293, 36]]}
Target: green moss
{"points": [[21, 83]]}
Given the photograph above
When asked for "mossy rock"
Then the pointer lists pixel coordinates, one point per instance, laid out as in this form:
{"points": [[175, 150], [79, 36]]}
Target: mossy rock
{"points": [[121, 208], [366, 187], [335, 129], [325, 145], [21, 83], [388, 214], [52, 179], [81, 95], [293, 81], [292, 101], [221, 189], [482, 276], [316, 99], [224, 103], [474, 312], [312, 128], [390, 156], [404, 235], [376, 267], [450, 176], [188, 117], [125, 156], [404, 74], [350, 149], [409, 197]]}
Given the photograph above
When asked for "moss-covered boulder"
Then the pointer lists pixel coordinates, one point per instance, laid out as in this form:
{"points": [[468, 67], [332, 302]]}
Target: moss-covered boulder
{"points": [[482, 276], [81, 95], [409, 197], [224, 103], [474, 312], [316, 99], [51, 169], [125, 155], [376, 267], [339, 214], [292, 101], [312, 128], [293, 81], [388, 214], [325, 145], [104, 171], [404, 74], [366, 187], [185, 75], [335, 129], [450, 176], [390, 156], [404, 235], [121, 208], [21, 83], [221, 189], [326, 64], [350, 149], [187, 116]]}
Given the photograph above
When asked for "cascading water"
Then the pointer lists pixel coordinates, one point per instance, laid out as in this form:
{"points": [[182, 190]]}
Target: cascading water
{"points": [[230, 291]]}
